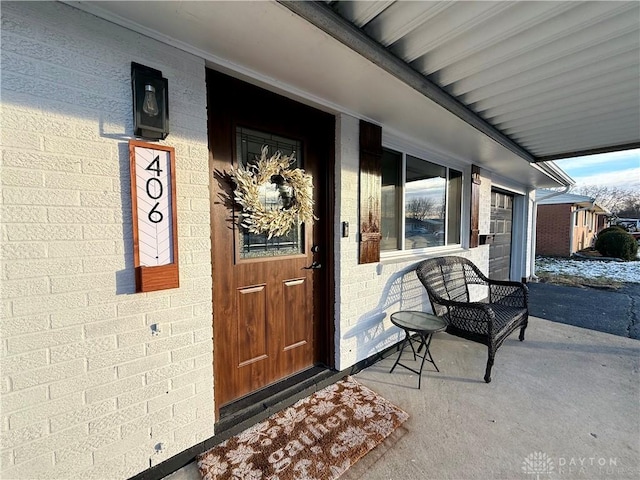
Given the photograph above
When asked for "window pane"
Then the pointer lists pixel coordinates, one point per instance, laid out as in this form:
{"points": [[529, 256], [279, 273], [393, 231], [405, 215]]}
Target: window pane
{"points": [[391, 178], [454, 207], [249, 145], [425, 191]]}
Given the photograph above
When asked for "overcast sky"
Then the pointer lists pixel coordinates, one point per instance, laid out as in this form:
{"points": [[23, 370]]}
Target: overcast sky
{"points": [[617, 169]]}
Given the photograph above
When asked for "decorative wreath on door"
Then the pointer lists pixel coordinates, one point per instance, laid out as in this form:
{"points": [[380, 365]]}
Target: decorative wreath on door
{"points": [[294, 188]]}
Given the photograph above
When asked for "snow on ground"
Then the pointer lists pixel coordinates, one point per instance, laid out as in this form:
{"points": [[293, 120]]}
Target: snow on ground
{"points": [[618, 271]]}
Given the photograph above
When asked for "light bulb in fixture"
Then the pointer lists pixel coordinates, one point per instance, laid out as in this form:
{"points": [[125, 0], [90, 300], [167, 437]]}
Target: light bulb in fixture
{"points": [[150, 103]]}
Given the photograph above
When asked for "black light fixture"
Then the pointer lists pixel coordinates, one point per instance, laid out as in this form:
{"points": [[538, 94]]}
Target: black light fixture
{"points": [[150, 102]]}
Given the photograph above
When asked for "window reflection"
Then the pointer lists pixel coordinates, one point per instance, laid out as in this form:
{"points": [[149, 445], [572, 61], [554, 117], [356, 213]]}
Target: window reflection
{"points": [[428, 203], [425, 195], [391, 200]]}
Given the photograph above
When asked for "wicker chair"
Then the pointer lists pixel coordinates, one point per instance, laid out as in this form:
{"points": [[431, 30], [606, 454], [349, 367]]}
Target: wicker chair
{"points": [[489, 321]]}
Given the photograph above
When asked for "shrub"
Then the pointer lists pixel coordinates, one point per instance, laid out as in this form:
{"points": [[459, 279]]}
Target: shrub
{"points": [[617, 243], [612, 228]]}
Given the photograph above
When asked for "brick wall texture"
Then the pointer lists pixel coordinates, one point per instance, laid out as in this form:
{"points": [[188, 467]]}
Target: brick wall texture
{"points": [[553, 230], [98, 382], [89, 390], [556, 225]]}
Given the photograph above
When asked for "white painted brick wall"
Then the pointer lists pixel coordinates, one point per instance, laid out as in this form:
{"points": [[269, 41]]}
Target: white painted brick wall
{"points": [[88, 390], [366, 295], [86, 384]]}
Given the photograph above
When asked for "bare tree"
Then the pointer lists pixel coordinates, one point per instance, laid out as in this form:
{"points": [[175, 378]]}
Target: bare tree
{"points": [[420, 208], [614, 199], [630, 207]]}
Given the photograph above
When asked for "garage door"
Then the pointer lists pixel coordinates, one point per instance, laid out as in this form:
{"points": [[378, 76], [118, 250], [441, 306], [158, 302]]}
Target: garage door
{"points": [[501, 222]]}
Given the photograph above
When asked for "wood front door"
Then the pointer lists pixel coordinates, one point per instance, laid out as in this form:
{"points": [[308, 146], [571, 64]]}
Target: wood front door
{"points": [[271, 312]]}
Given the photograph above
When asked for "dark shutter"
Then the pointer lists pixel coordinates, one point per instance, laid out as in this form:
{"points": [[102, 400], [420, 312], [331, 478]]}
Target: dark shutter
{"points": [[475, 206], [370, 191]]}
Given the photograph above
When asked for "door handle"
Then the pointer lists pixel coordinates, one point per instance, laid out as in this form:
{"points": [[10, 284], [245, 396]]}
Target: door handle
{"points": [[313, 266]]}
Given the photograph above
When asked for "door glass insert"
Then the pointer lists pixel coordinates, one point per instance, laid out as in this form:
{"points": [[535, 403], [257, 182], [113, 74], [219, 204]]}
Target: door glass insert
{"points": [[276, 195]]}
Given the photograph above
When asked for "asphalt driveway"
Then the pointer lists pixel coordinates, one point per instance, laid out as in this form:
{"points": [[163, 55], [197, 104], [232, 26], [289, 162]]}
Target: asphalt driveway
{"points": [[605, 310]]}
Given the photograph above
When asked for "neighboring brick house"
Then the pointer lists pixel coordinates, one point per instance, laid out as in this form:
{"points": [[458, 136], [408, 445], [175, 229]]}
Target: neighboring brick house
{"points": [[566, 223]]}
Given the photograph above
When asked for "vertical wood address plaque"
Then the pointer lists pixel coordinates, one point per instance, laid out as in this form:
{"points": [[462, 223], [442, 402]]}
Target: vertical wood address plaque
{"points": [[153, 205]]}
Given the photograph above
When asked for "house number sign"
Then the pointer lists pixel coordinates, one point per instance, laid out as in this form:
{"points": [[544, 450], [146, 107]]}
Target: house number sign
{"points": [[153, 204]]}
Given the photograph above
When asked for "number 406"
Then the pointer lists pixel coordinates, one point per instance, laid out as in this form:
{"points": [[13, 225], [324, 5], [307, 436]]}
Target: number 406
{"points": [[155, 190]]}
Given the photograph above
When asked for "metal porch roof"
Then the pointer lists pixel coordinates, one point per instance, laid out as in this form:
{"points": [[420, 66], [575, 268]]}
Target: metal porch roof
{"points": [[558, 79], [504, 87], [549, 197]]}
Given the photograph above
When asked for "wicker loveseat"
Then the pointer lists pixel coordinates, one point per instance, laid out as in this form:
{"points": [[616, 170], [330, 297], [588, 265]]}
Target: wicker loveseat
{"points": [[503, 308]]}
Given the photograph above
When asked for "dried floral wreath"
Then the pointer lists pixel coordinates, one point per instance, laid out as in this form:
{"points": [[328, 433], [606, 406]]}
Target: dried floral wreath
{"points": [[294, 186]]}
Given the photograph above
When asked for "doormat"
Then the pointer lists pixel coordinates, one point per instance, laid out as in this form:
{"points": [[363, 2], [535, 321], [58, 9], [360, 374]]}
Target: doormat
{"points": [[319, 437]]}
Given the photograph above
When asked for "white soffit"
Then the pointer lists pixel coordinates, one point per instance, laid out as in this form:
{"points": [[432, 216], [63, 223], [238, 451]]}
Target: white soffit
{"points": [[555, 77], [267, 44]]}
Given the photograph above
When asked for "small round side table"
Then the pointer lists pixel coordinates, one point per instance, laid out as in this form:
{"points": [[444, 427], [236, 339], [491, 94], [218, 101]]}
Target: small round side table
{"points": [[425, 325]]}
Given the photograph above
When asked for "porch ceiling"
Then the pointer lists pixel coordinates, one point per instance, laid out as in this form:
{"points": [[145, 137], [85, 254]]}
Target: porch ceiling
{"points": [[511, 84], [555, 77]]}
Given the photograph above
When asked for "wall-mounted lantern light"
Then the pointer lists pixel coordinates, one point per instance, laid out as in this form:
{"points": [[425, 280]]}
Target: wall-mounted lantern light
{"points": [[150, 102]]}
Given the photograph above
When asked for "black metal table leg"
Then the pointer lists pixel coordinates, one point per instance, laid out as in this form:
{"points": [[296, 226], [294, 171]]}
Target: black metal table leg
{"points": [[428, 352], [424, 325], [425, 340], [406, 337]]}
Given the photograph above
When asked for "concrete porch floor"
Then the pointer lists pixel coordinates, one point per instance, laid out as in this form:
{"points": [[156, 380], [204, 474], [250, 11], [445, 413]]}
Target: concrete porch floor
{"points": [[569, 394]]}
